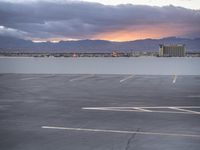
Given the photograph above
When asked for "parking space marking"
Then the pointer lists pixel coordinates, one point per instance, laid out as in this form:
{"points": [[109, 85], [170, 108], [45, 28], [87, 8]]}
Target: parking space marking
{"points": [[185, 110], [146, 107], [174, 78], [32, 78], [122, 131], [194, 96], [29, 78], [127, 78], [81, 78], [142, 109], [136, 110], [179, 109]]}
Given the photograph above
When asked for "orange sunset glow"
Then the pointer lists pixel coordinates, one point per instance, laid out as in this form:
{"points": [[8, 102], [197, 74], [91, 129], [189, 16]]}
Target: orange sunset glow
{"points": [[97, 21], [130, 34], [142, 33]]}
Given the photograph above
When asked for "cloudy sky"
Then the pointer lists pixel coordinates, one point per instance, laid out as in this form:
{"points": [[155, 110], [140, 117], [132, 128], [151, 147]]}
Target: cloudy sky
{"points": [[116, 20]]}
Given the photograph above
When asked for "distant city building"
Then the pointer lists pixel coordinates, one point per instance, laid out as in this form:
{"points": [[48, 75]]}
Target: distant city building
{"points": [[172, 50]]}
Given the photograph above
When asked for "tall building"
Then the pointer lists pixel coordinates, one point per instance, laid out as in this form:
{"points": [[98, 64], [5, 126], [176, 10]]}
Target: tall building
{"points": [[172, 50]]}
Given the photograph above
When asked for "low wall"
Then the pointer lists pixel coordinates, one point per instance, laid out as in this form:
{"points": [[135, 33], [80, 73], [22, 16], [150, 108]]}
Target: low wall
{"points": [[132, 65]]}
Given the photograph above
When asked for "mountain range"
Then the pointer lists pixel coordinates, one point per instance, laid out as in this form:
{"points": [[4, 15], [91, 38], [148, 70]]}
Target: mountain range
{"points": [[11, 44]]}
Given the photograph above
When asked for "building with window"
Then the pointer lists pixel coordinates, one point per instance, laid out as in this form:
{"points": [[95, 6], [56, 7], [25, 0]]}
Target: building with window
{"points": [[172, 50]]}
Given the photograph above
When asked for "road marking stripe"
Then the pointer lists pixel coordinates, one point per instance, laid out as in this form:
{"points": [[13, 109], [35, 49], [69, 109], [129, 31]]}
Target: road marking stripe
{"points": [[146, 109], [142, 109], [29, 78], [32, 78], [174, 79], [131, 110], [122, 131], [185, 110], [81, 78], [194, 96], [127, 78], [149, 107]]}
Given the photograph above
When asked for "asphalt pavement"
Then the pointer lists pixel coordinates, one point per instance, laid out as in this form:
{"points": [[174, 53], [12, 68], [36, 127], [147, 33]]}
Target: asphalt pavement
{"points": [[99, 112]]}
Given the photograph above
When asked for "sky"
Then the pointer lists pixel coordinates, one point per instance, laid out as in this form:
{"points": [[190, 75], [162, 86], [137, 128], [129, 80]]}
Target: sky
{"points": [[116, 20]]}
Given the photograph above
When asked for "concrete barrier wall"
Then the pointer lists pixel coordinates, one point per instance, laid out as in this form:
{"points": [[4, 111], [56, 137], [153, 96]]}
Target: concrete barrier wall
{"points": [[132, 65]]}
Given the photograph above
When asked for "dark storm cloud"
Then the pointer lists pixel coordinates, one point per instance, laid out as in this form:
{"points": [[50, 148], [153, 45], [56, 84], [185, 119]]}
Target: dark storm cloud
{"points": [[84, 19]]}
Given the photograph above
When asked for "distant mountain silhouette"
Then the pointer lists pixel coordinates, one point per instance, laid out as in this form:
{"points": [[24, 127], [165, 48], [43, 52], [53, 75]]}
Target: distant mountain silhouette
{"points": [[11, 44]]}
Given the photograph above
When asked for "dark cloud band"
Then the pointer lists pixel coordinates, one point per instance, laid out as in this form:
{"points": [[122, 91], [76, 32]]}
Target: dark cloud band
{"points": [[85, 20]]}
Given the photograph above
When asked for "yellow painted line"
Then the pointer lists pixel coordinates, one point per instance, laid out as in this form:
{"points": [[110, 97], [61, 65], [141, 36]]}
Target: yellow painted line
{"points": [[122, 131]]}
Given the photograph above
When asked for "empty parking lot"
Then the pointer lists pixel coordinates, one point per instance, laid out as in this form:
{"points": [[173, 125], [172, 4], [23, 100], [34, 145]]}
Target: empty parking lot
{"points": [[99, 112]]}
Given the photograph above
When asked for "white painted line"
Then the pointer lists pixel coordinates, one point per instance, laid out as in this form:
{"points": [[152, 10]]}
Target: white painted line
{"points": [[127, 78], [141, 109], [29, 78], [147, 107], [171, 112], [39, 77], [185, 110], [194, 96], [132, 110], [174, 79], [122, 131], [181, 110], [81, 78], [173, 106]]}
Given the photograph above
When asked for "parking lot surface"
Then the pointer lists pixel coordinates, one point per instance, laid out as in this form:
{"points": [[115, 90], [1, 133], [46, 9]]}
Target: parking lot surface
{"points": [[99, 112]]}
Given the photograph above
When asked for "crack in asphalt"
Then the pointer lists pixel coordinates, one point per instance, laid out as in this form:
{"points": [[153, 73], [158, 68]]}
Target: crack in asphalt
{"points": [[130, 139]]}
